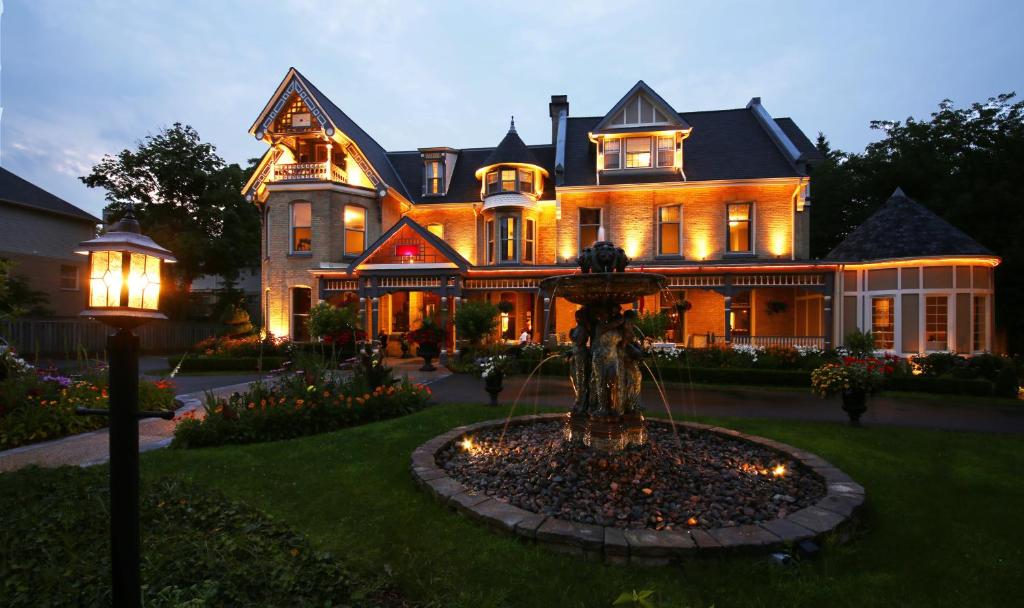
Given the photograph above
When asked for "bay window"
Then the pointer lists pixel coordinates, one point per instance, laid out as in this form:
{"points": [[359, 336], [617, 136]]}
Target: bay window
{"points": [[301, 227], [526, 181], [508, 180], [590, 222], [528, 239], [489, 229], [739, 233], [670, 233], [355, 229], [508, 249], [638, 152], [492, 182]]}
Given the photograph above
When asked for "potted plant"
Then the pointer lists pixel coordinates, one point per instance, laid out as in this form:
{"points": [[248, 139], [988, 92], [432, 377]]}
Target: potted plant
{"points": [[492, 370], [855, 379], [403, 343], [427, 339]]}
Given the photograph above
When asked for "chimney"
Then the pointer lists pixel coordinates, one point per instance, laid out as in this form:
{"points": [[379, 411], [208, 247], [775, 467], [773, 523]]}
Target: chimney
{"points": [[559, 104]]}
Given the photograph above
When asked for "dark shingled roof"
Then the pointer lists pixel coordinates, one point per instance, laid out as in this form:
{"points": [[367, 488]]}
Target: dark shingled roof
{"points": [[465, 187], [18, 191], [511, 150], [724, 144], [904, 228], [807, 148]]}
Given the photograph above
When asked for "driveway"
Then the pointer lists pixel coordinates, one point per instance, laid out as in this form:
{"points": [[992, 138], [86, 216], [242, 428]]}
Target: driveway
{"points": [[685, 400]]}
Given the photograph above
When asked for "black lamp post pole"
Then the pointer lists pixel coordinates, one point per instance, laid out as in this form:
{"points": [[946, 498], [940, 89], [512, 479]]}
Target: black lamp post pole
{"points": [[123, 350]]}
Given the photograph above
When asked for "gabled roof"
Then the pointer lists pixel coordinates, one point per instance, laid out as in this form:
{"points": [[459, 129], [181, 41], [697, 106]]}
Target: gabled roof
{"points": [[641, 88], [722, 145], [511, 150], [427, 235], [464, 186], [18, 191], [904, 228], [335, 118]]}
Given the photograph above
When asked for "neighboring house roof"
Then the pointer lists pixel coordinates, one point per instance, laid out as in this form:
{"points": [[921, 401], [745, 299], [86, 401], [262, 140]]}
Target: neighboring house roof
{"points": [[19, 191], [511, 150], [464, 186], [904, 228]]}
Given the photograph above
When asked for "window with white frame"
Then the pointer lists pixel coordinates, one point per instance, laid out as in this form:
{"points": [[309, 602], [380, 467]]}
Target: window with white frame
{"points": [[529, 227], [508, 228], [526, 181], [739, 235], [611, 153], [492, 182], [590, 223], [979, 321], [435, 177], [355, 229], [670, 230], [883, 321], [638, 152], [489, 229], [936, 323], [69, 277], [301, 227], [666, 151]]}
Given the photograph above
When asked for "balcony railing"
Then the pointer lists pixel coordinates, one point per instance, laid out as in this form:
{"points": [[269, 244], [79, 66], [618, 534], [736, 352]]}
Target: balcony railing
{"points": [[306, 172]]}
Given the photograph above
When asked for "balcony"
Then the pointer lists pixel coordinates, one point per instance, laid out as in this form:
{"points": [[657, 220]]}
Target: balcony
{"points": [[308, 172]]}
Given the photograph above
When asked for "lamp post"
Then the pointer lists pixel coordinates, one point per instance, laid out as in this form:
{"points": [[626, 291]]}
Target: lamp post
{"points": [[124, 292]]}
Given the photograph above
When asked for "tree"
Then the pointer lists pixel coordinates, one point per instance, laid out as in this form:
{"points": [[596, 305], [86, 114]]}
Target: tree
{"points": [[963, 163], [475, 320], [17, 297], [188, 200]]}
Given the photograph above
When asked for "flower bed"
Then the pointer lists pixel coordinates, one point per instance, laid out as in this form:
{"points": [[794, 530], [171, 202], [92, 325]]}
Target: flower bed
{"points": [[299, 406], [224, 353], [40, 405]]}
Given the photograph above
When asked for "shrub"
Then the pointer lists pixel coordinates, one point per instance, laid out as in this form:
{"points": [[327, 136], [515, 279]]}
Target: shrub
{"points": [[475, 320], [250, 346], [199, 548], [236, 317], [652, 325], [860, 343], [1007, 384], [295, 408]]}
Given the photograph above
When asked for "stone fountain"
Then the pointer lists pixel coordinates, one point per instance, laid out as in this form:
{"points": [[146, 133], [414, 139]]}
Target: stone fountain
{"points": [[607, 351]]}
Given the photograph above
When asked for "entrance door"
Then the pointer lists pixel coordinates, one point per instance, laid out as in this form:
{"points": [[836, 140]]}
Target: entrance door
{"points": [[301, 303]]}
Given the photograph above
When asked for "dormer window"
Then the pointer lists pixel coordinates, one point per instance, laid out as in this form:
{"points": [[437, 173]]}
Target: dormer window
{"points": [[435, 177], [510, 180], [666, 151], [640, 152], [611, 154]]}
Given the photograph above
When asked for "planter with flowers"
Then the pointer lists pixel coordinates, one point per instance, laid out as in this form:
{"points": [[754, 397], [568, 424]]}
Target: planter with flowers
{"points": [[428, 339], [855, 379], [492, 370]]}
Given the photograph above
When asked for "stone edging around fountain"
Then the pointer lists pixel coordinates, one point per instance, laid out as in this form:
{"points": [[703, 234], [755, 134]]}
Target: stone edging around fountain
{"points": [[842, 499]]}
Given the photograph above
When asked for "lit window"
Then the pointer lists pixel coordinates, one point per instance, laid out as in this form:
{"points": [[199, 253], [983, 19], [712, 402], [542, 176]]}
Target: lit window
{"points": [[666, 151], [980, 323], [528, 239], [69, 277], [301, 303], [507, 234], [492, 182], [590, 222], [355, 230], [302, 232], [436, 229], [883, 322], [739, 227], [936, 322], [435, 177], [611, 154], [670, 230], [508, 180], [490, 241], [526, 181], [638, 152]]}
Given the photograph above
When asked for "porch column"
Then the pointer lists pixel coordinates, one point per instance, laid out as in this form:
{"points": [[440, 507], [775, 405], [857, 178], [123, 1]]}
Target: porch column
{"points": [[547, 319], [826, 317], [444, 318], [728, 319], [375, 314], [457, 302], [362, 315]]}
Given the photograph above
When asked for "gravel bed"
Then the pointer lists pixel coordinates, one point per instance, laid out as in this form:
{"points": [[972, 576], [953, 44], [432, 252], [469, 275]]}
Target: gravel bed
{"points": [[693, 479]]}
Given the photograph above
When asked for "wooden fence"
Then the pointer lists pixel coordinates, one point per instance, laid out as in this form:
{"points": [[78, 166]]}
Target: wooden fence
{"points": [[67, 337]]}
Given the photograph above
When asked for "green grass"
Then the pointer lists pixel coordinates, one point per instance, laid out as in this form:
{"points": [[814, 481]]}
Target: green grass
{"points": [[941, 526]]}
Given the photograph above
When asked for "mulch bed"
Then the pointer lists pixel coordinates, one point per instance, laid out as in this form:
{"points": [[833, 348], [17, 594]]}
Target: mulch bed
{"points": [[693, 479]]}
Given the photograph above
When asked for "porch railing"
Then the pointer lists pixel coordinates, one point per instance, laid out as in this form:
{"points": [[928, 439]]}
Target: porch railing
{"points": [[791, 341], [294, 172]]}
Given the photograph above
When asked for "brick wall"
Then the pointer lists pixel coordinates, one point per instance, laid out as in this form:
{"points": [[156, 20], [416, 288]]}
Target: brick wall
{"points": [[459, 226], [707, 313]]}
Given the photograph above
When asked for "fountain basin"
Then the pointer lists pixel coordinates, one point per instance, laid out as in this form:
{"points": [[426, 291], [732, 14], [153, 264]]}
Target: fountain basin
{"points": [[604, 287], [814, 515]]}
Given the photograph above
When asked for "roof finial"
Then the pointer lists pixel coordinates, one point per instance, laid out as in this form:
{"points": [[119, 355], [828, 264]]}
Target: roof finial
{"points": [[512, 126]]}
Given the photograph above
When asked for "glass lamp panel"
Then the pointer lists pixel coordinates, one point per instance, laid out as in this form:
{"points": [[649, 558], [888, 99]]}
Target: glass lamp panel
{"points": [[105, 279], [151, 297], [136, 280]]}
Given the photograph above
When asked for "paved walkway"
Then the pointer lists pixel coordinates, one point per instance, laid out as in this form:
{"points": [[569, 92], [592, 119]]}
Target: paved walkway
{"points": [[754, 403], [91, 448]]}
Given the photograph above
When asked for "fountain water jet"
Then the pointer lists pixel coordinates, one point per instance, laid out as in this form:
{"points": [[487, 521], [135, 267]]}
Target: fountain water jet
{"points": [[606, 352]]}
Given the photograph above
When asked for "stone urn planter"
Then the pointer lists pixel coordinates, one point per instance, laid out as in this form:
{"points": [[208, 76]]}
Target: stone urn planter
{"points": [[855, 404], [494, 384], [428, 352]]}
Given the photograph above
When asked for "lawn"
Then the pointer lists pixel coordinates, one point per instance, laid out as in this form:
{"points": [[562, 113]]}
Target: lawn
{"points": [[939, 528]]}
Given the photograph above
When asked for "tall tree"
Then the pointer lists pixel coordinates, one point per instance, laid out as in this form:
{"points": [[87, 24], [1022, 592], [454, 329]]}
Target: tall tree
{"points": [[965, 164], [188, 200]]}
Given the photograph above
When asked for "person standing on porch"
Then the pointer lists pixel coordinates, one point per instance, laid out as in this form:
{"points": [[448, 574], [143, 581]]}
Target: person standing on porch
{"points": [[524, 337]]}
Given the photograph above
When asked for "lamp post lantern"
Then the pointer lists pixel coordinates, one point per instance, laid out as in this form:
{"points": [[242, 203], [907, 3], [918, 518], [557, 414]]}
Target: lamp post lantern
{"points": [[124, 292]]}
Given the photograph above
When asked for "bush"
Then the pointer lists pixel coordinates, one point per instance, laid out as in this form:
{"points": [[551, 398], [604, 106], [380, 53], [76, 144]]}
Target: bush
{"points": [[1007, 384], [860, 343], [653, 325], [251, 346], [230, 364], [199, 548], [475, 320], [301, 405]]}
